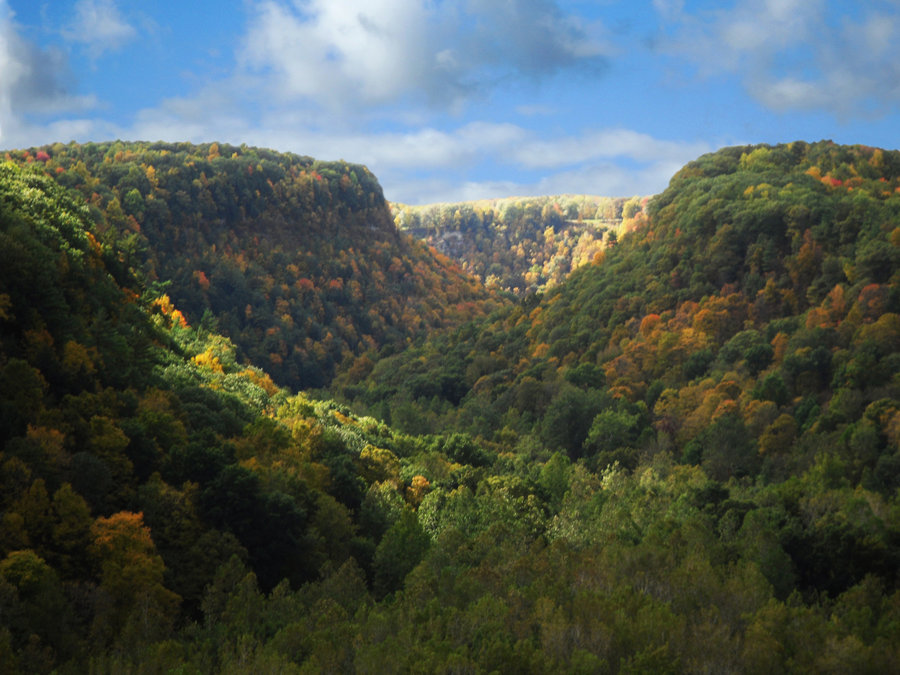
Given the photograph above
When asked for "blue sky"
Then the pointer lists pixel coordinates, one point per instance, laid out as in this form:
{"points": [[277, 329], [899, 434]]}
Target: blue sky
{"points": [[451, 100]]}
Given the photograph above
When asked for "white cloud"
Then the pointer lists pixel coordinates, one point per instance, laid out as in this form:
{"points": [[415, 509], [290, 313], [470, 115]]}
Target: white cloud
{"points": [[427, 148], [669, 9], [605, 178], [604, 144], [331, 52], [609, 180], [789, 92], [375, 52], [99, 25], [531, 36], [411, 189], [614, 162], [747, 36], [33, 81], [797, 54]]}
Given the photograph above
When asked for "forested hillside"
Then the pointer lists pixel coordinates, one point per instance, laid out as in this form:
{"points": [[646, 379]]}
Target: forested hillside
{"points": [[683, 458], [296, 260], [520, 245], [747, 326]]}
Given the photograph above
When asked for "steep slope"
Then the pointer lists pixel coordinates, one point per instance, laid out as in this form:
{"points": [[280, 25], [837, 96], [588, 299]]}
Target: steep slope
{"points": [[296, 260], [520, 245]]}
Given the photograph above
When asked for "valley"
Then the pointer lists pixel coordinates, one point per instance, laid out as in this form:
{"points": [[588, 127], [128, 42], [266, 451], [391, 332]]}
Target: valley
{"points": [[256, 419]]}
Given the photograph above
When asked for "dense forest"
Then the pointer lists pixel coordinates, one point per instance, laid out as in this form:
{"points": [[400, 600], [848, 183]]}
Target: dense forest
{"points": [[520, 245], [297, 261], [684, 457]]}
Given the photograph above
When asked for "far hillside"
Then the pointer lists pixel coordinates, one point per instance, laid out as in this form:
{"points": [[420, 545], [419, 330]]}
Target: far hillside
{"points": [[521, 244]]}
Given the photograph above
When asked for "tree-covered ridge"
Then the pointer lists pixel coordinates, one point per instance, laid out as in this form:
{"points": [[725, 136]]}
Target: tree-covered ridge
{"points": [[296, 260], [521, 245]]}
